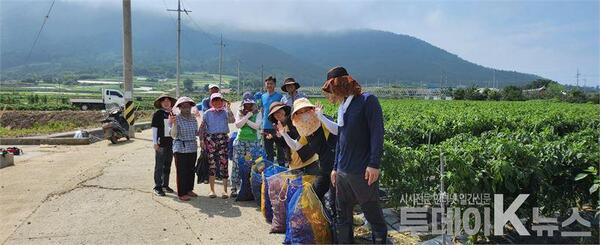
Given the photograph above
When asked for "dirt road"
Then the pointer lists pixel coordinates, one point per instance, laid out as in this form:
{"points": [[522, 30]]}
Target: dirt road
{"points": [[102, 194]]}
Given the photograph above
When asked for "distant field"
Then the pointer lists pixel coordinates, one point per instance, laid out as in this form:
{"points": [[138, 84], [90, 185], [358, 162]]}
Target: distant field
{"points": [[30, 123], [52, 96], [200, 80]]}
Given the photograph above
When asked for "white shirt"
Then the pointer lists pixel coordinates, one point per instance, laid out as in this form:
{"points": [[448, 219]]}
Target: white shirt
{"points": [[342, 110]]}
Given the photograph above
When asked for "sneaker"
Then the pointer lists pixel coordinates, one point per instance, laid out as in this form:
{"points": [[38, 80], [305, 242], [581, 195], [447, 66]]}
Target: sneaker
{"points": [[159, 192], [234, 193], [168, 189]]}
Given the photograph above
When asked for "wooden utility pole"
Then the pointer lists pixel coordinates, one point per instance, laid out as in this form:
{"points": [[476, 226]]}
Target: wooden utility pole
{"points": [[127, 58], [238, 76], [179, 10], [221, 45]]}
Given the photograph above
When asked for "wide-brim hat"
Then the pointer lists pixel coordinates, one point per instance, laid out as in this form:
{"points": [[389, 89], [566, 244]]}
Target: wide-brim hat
{"points": [[161, 98], [247, 95], [184, 99], [289, 81], [275, 107], [248, 101], [301, 104]]}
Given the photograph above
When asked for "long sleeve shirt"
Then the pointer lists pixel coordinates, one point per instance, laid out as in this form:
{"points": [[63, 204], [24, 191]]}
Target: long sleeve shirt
{"points": [[161, 129], [360, 139]]}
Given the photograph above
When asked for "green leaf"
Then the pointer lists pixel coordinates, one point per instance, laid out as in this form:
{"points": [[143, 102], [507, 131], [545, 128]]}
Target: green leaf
{"points": [[580, 176], [594, 188]]}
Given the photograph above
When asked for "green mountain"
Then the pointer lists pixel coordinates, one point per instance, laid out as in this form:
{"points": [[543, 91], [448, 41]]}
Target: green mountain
{"points": [[88, 41], [377, 55]]}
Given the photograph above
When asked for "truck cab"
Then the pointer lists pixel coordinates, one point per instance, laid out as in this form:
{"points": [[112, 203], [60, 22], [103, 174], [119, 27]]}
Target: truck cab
{"points": [[110, 98]]}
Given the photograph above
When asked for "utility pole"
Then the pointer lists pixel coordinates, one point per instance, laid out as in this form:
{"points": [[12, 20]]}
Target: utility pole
{"points": [[127, 58], [262, 75], [179, 10], [494, 78], [221, 45], [238, 76], [577, 75]]}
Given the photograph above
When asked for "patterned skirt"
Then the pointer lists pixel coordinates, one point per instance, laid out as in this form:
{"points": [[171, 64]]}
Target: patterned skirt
{"points": [[216, 148]]}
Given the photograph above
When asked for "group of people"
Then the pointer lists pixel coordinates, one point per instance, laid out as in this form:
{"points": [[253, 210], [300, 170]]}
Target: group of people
{"points": [[345, 154]]}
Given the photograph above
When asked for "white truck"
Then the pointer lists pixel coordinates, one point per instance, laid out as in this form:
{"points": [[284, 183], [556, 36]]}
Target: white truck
{"points": [[110, 97]]}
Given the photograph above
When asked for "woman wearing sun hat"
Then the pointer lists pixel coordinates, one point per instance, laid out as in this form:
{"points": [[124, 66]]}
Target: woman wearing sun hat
{"points": [[215, 129], [162, 143], [280, 112], [315, 135], [290, 87], [248, 121], [302, 156], [184, 131]]}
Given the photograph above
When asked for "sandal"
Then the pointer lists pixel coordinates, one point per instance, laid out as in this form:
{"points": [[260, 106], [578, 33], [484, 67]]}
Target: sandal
{"points": [[192, 194], [212, 195], [184, 198], [224, 195]]}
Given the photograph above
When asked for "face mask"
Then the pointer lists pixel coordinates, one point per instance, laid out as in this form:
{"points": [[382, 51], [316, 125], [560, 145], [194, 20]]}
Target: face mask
{"points": [[306, 123], [186, 111]]}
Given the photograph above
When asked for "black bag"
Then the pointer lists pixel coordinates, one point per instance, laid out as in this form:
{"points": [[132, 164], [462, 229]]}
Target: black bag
{"points": [[202, 167]]}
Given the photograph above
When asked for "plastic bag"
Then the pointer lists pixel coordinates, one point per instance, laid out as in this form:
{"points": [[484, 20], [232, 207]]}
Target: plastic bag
{"points": [[306, 220], [245, 164], [265, 201], [277, 183], [245, 192], [256, 178], [278, 194], [201, 168]]}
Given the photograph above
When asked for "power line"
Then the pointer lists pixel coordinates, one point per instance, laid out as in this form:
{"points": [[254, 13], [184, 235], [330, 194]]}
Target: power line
{"points": [[39, 32], [209, 36], [170, 15], [198, 27]]}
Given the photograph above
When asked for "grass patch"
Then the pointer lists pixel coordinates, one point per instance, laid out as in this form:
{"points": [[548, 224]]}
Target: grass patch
{"points": [[37, 129]]}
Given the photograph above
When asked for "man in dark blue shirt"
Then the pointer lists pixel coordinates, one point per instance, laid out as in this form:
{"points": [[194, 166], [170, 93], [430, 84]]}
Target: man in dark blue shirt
{"points": [[358, 155]]}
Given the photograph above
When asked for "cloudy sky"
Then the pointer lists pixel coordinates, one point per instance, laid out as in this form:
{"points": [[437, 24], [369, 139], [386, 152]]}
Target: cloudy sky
{"points": [[549, 38]]}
